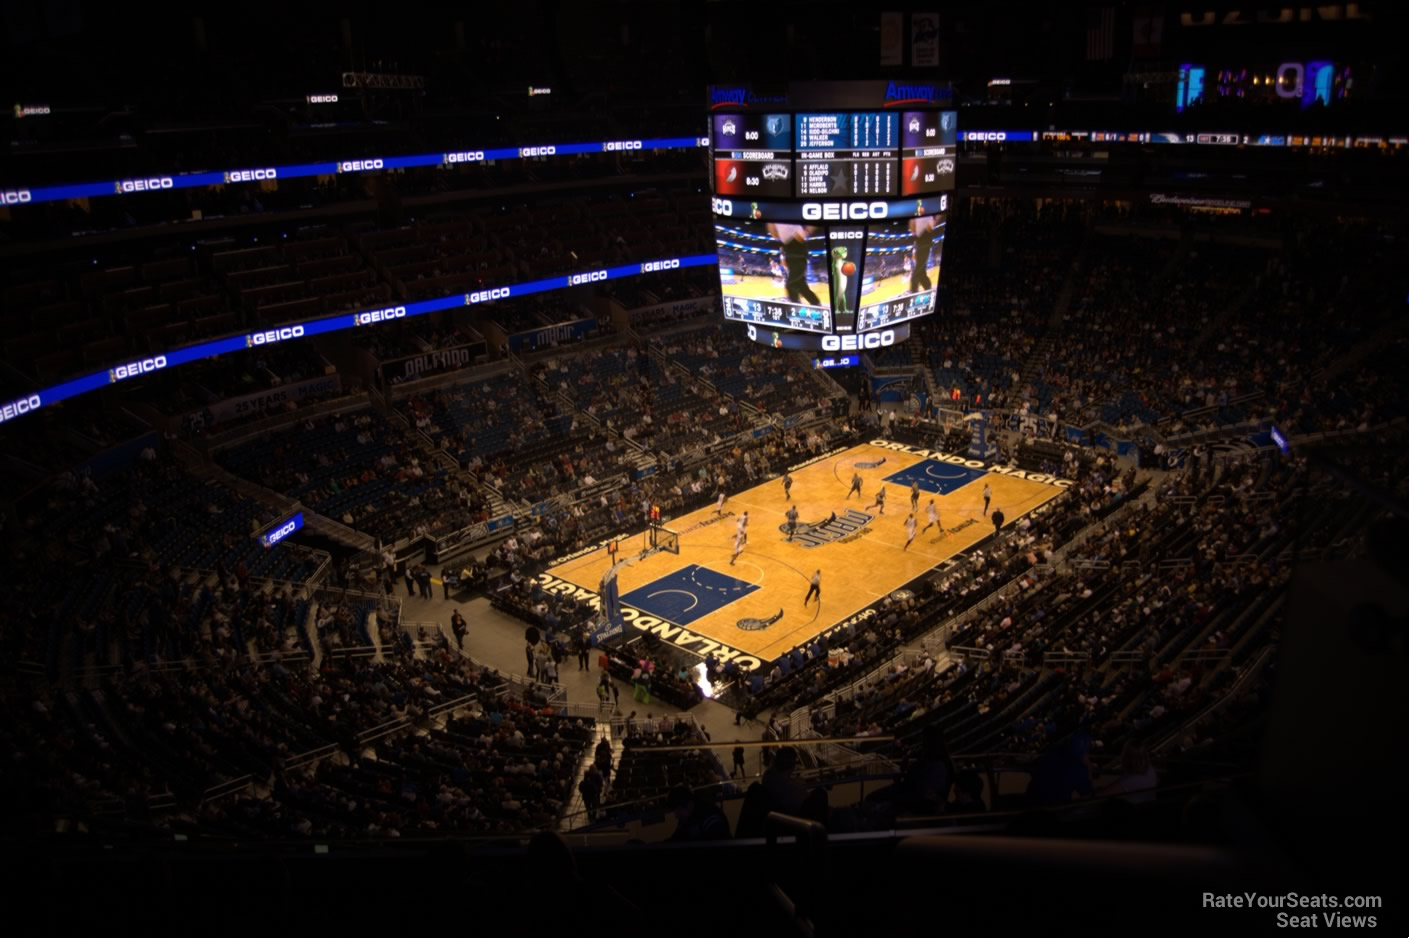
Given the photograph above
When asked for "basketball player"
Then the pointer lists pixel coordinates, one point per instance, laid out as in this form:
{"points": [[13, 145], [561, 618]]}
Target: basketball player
{"points": [[987, 497], [740, 539], [792, 521], [909, 531], [932, 513], [776, 269], [880, 500], [914, 497], [815, 589], [743, 524], [794, 252], [855, 486], [719, 505], [923, 230], [787, 487]]}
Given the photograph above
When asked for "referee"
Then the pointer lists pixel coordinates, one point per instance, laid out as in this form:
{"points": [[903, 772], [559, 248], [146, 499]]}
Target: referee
{"points": [[815, 590]]}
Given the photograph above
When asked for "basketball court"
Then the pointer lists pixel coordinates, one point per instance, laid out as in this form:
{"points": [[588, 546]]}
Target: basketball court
{"points": [[697, 599]]}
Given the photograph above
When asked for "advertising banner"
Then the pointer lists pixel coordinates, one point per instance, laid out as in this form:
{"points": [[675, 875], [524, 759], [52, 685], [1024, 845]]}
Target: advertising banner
{"points": [[432, 362], [260, 402]]}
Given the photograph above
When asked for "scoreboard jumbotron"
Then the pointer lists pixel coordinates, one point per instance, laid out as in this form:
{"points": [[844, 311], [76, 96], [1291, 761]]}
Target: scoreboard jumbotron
{"points": [[829, 207]]}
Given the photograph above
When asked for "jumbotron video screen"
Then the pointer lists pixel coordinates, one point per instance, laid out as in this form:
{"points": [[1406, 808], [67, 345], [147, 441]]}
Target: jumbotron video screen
{"points": [[830, 203]]}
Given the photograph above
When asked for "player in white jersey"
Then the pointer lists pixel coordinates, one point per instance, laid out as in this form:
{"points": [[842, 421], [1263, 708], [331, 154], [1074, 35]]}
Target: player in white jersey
{"points": [[719, 505], [909, 531], [932, 513], [740, 540], [743, 524]]}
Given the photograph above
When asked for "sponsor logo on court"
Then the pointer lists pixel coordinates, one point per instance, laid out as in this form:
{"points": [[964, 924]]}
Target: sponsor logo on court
{"points": [[968, 523], [814, 461], [1008, 471], [708, 521], [681, 638], [583, 552]]}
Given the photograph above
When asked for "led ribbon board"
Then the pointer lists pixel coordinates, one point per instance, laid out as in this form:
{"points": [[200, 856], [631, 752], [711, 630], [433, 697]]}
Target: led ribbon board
{"points": [[15, 195], [366, 319], [850, 210], [282, 530]]}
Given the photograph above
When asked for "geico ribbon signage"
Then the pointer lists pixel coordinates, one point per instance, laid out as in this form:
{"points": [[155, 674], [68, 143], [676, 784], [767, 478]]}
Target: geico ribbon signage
{"points": [[366, 319], [248, 174], [433, 362], [262, 401], [560, 334], [282, 530]]}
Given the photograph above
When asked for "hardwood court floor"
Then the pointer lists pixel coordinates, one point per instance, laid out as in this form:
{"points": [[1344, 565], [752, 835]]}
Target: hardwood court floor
{"points": [[861, 556]]}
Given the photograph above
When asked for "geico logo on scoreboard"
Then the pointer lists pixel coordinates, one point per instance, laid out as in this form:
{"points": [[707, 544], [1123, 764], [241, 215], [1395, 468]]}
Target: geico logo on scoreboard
{"points": [[593, 277], [847, 235], [251, 175], [322, 99], [651, 267], [20, 407], [853, 343], [484, 296], [273, 335], [622, 145], [15, 197], [379, 315], [843, 211], [465, 156], [133, 369], [144, 185], [358, 166], [537, 151], [722, 206], [992, 136]]}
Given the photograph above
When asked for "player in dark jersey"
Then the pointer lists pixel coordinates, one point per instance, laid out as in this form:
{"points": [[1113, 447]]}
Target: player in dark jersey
{"points": [[880, 500], [787, 487], [794, 251], [855, 486], [923, 230], [792, 521]]}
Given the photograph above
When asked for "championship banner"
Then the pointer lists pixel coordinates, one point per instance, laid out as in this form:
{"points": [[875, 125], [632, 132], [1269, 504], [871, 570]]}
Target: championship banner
{"points": [[262, 401], [433, 362], [892, 39], [924, 40]]}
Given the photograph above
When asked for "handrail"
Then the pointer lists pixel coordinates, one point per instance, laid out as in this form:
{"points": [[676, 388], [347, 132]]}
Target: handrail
{"points": [[225, 789], [1253, 668]]}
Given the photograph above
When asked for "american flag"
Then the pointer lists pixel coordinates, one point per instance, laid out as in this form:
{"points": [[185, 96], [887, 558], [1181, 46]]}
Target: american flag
{"points": [[1100, 34], [1148, 30]]}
